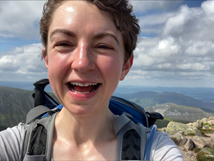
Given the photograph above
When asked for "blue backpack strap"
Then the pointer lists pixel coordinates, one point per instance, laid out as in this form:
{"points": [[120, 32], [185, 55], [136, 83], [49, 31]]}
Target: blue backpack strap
{"points": [[149, 142], [131, 138], [119, 105]]}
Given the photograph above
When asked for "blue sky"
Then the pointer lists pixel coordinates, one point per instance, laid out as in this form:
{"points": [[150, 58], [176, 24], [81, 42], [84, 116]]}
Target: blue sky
{"points": [[175, 47]]}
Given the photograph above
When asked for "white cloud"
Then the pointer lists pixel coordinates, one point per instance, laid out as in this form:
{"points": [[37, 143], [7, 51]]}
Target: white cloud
{"points": [[7, 63], [179, 51], [207, 7], [200, 48], [153, 23], [23, 63], [20, 19], [182, 50], [191, 23]]}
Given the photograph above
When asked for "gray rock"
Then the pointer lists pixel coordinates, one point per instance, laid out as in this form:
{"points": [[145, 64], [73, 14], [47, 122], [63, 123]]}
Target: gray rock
{"points": [[204, 120], [211, 118], [179, 139], [199, 124], [183, 141], [175, 127], [190, 145], [192, 131], [199, 141], [206, 126]]}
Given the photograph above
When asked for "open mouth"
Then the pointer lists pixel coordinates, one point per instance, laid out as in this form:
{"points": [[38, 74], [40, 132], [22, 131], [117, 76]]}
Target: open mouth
{"points": [[83, 88]]}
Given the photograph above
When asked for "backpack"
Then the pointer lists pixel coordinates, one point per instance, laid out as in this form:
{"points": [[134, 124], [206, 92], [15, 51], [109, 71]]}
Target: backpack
{"points": [[134, 127]]}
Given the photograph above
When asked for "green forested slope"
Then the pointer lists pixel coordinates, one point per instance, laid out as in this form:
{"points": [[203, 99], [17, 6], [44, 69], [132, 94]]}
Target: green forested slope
{"points": [[14, 105]]}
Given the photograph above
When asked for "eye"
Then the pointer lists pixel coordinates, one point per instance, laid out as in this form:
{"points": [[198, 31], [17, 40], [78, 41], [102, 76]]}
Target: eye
{"points": [[63, 44], [103, 46]]}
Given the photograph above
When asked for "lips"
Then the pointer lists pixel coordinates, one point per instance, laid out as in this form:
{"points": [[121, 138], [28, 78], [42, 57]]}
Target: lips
{"points": [[83, 88]]}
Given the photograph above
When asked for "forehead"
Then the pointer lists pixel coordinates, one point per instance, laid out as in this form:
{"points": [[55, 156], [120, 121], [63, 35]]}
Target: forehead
{"points": [[82, 16]]}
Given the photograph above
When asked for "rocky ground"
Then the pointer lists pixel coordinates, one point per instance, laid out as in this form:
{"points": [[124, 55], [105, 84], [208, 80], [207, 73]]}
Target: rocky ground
{"points": [[195, 140]]}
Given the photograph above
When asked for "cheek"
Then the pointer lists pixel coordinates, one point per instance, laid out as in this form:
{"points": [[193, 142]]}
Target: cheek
{"points": [[111, 68], [57, 66]]}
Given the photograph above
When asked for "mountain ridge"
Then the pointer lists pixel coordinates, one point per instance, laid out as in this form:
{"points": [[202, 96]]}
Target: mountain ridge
{"points": [[179, 112], [15, 103], [150, 98]]}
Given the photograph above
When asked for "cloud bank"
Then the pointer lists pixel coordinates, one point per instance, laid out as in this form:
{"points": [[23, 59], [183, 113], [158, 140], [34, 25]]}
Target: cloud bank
{"points": [[22, 64], [175, 47], [182, 51]]}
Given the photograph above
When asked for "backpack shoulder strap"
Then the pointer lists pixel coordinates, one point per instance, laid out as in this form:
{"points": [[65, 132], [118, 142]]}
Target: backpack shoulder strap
{"points": [[38, 139], [131, 138], [132, 141], [36, 113]]}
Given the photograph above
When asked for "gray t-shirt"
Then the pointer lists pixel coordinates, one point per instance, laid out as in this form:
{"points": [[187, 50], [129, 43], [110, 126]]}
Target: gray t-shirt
{"points": [[11, 145]]}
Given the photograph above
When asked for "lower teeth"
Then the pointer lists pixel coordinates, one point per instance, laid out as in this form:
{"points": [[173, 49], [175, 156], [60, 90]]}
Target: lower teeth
{"points": [[80, 92]]}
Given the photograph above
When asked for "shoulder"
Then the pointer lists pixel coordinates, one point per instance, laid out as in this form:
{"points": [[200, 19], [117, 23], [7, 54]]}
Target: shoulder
{"points": [[11, 142], [163, 148]]}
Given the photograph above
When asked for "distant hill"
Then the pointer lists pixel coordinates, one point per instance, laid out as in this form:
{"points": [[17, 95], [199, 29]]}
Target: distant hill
{"points": [[204, 94], [179, 112], [14, 105], [148, 99]]}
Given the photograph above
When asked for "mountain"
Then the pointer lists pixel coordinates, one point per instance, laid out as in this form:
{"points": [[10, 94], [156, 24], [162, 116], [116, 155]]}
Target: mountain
{"points": [[14, 105], [23, 85], [179, 112], [149, 98], [205, 94]]}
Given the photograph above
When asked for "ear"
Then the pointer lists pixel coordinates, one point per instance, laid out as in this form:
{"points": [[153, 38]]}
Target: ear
{"points": [[45, 57], [126, 67]]}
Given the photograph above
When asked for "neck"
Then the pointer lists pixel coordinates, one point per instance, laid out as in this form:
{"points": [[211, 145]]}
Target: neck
{"points": [[94, 128]]}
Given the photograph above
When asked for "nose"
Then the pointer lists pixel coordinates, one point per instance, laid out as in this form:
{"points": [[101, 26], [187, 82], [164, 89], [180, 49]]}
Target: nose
{"points": [[83, 60]]}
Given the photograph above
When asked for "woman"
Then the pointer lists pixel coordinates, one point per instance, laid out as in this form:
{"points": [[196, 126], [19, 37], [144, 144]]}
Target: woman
{"points": [[88, 49]]}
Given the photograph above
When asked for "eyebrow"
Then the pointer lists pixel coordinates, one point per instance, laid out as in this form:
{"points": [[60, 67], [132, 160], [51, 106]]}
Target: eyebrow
{"points": [[72, 34], [62, 31], [102, 35]]}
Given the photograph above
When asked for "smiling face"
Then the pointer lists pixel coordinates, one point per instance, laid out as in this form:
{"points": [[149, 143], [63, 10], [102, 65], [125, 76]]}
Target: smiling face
{"points": [[85, 57]]}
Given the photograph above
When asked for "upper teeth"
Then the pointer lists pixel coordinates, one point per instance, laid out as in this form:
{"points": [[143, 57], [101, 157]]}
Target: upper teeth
{"points": [[84, 85]]}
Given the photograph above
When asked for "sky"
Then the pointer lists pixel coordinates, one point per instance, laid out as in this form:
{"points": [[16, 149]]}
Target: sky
{"points": [[175, 47]]}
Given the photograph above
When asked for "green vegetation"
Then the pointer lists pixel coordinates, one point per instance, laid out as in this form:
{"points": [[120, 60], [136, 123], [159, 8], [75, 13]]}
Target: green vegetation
{"points": [[206, 130], [203, 156], [14, 105], [165, 121], [196, 150], [189, 134], [161, 123], [207, 154], [2, 128]]}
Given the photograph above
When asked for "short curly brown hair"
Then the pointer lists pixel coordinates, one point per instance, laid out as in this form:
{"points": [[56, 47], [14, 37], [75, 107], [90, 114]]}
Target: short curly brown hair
{"points": [[120, 11]]}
